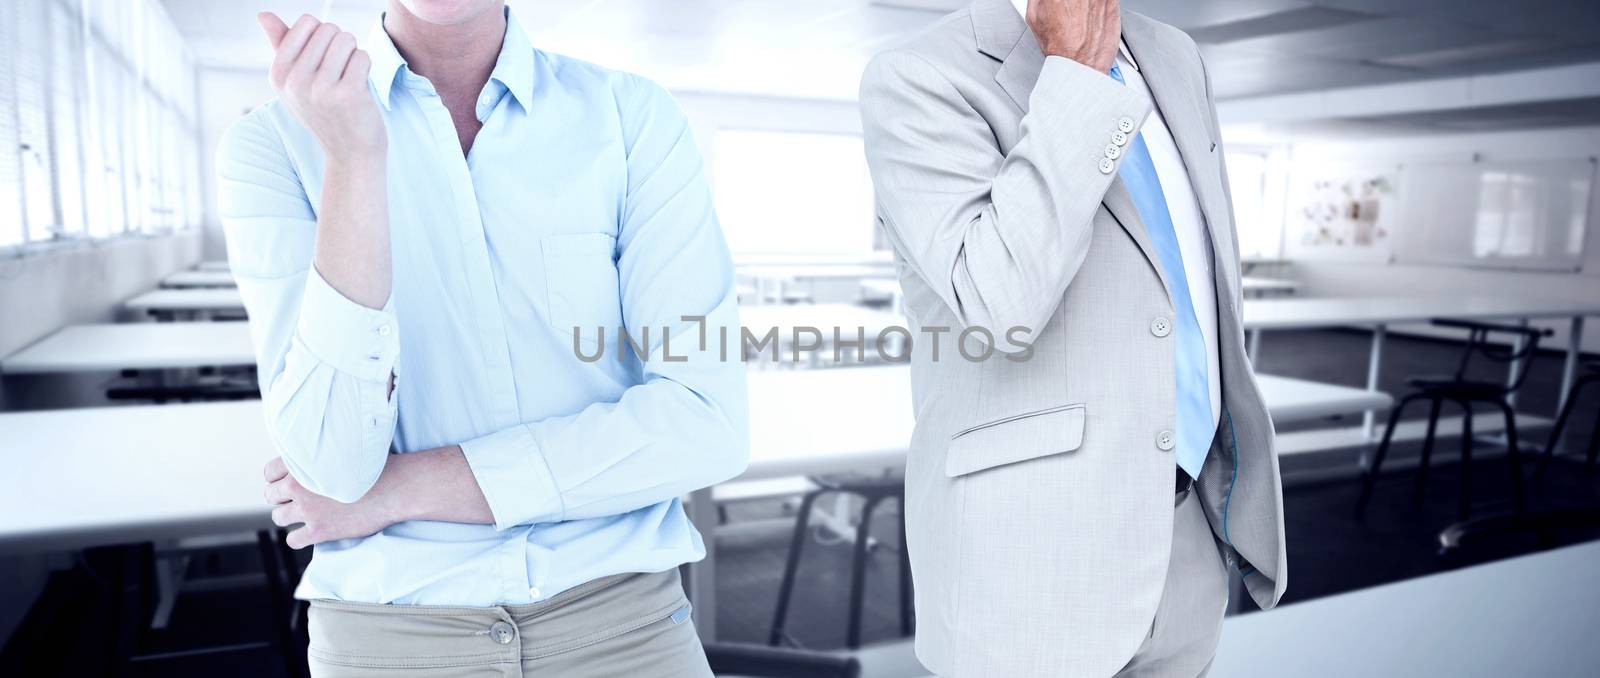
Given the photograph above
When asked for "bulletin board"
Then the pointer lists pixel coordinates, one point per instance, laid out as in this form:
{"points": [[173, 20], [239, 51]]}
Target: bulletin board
{"points": [[1343, 212]]}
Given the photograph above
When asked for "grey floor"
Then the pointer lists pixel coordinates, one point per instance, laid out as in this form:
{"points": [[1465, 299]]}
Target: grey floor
{"points": [[1329, 551]]}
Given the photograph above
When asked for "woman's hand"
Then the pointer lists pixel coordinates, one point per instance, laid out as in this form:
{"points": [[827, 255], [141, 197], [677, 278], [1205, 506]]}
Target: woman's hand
{"points": [[321, 76], [321, 519]]}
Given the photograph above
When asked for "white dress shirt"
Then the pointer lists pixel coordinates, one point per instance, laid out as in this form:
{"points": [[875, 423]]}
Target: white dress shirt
{"points": [[1194, 242]]}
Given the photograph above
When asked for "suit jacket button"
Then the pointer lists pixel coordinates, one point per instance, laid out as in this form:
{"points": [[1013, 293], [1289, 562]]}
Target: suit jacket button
{"points": [[1164, 440], [1160, 327]]}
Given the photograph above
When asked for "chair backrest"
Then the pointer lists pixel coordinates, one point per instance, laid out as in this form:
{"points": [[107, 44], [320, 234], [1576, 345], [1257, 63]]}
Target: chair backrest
{"points": [[1491, 342]]}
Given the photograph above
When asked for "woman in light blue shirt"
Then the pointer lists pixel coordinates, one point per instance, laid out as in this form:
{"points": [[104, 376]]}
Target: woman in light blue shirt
{"points": [[428, 233]]}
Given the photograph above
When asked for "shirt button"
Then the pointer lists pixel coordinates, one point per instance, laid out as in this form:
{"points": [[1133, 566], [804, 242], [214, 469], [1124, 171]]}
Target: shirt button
{"points": [[1119, 138], [1164, 440], [1160, 327], [534, 592], [1113, 151], [1125, 125], [502, 633], [383, 330], [1106, 166]]}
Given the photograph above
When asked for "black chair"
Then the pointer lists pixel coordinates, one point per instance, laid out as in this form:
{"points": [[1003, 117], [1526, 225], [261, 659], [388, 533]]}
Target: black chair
{"points": [[1464, 390], [1495, 537], [756, 661], [1593, 377], [873, 491]]}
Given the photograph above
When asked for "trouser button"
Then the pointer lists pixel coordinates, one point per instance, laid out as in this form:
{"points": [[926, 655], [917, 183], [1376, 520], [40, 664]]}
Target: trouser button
{"points": [[502, 633]]}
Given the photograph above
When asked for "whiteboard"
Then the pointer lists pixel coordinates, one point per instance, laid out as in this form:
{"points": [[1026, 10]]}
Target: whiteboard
{"points": [[1515, 214]]}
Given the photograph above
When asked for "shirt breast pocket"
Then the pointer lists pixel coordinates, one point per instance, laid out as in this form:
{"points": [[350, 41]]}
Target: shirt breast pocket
{"points": [[581, 280]]}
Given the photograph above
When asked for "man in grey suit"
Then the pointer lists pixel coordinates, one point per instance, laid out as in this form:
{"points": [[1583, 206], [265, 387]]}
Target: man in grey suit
{"points": [[1051, 171]]}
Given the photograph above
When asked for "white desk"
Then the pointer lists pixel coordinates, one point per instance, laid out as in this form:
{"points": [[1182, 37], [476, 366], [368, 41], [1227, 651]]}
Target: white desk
{"points": [[104, 348], [146, 472], [1276, 314], [1380, 312], [773, 278], [187, 301], [836, 420], [1528, 616], [872, 258], [117, 475], [1259, 287], [213, 265], [801, 271], [190, 279]]}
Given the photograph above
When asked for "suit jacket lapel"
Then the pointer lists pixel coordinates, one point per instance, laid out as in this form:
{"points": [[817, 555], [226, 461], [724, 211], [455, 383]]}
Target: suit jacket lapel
{"points": [[1003, 35], [1179, 90]]}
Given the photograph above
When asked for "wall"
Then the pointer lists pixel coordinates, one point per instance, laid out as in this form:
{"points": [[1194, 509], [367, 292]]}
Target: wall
{"points": [[709, 112], [1326, 278]]}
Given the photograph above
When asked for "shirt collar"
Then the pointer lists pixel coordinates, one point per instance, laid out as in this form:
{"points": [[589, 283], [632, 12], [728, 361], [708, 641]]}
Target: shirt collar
{"points": [[513, 69], [386, 61]]}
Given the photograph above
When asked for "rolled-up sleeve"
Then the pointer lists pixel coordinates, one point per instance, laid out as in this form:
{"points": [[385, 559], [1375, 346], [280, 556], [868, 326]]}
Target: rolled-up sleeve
{"points": [[683, 426], [325, 362]]}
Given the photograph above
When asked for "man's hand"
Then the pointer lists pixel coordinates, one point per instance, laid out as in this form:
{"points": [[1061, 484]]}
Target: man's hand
{"points": [[321, 76], [323, 519], [1085, 31]]}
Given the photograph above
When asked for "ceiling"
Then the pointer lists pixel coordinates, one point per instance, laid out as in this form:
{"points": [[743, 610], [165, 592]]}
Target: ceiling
{"points": [[817, 48]]}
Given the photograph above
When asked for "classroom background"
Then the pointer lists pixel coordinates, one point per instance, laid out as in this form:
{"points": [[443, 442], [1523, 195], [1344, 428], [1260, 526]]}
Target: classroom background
{"points": [[1414, 185]]}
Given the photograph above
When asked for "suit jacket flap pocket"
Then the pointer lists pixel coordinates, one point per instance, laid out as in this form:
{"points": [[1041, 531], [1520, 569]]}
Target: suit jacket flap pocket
{"points": [[1015, 438]]}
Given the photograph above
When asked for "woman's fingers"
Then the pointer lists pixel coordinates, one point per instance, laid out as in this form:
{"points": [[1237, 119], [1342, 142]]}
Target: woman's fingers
{"points": [[273, 27], [280, 492], [290, 47], [356, 71], [299, 539], [286, 515], [274, 469], [334, 61], [305, 67]]}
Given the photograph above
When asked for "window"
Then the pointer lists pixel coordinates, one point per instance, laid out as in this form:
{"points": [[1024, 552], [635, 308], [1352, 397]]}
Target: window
{"points": [[97, 121], [793, 193], [11, 229], [31, 54], [1255, 180]]}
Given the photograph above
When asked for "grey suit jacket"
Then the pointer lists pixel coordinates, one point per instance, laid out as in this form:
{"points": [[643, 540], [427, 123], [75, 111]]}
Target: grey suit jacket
{"points": [[1039, 496]]}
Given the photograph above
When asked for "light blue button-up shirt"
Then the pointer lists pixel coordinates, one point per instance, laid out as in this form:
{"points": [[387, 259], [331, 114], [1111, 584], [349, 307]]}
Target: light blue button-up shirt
{"points": [[581, 205]]}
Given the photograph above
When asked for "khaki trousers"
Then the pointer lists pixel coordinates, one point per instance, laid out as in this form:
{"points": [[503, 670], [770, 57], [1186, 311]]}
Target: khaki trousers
{"points": [[625, 625]]}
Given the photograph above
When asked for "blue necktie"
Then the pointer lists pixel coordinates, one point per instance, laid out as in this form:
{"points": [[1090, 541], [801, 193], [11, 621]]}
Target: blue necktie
{"points": [[1195, 425]]}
